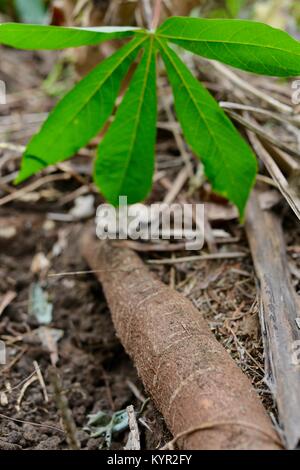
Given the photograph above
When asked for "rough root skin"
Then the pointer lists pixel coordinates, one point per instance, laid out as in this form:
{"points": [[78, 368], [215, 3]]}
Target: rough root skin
{"points": [[189, 375]]}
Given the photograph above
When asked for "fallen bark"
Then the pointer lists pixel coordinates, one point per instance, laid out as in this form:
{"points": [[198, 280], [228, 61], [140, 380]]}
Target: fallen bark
{"points": [[279, 309], [206, 401]]}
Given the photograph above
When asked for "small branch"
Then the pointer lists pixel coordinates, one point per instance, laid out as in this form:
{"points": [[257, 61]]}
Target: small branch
{"points": [[64, 409]]}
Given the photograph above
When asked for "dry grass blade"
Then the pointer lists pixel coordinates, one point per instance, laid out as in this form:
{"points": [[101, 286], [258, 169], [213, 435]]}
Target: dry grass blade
{"points": [[275, 172], [282, 118], [6, 300], [23, 390], [47, 426], [32, 187], [256, 129], [286, 163], [189, 259], [249, 88], [41, 380]]}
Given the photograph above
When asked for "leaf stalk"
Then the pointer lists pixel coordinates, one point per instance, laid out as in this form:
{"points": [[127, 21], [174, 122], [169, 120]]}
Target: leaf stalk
{"points": [[156, 14]]}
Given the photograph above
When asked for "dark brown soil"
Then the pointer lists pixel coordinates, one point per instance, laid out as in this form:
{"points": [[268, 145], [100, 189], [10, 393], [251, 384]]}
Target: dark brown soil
{"points": [[92, 364]]}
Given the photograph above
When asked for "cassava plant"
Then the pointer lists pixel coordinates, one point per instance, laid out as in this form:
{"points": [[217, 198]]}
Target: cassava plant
{"points": [[125, 159]]}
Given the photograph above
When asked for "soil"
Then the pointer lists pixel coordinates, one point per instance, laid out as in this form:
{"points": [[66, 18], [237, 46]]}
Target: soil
{"points": [[95, 372]]}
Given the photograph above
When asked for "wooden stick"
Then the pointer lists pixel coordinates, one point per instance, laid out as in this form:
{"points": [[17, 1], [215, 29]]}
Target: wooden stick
{"points": [[279, 309], [189, 375]]}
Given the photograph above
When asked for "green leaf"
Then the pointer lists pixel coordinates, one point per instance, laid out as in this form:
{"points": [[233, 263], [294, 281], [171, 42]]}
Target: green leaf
{"points": [[229, 163], [29, 36], [247, 45], [234, 6], [80, 114], [125, 162]]}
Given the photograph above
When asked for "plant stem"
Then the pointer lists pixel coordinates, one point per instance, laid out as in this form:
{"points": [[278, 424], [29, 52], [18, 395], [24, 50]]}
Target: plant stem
{"points": [[147, 12], [156, 14]]}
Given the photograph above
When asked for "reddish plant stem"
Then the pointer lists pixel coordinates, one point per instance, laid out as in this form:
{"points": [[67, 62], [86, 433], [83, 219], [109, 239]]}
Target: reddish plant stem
{"points": [[156, 14], [147, 12]]}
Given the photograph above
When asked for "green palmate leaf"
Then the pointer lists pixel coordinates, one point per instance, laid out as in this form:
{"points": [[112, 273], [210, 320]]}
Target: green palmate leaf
{"points": [[29, 36], [125, 162], [80, 114], [229, 162], [247, 45]]}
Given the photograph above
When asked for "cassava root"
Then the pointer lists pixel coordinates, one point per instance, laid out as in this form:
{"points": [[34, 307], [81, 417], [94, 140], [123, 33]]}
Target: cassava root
{"points": [[205, 399]]}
